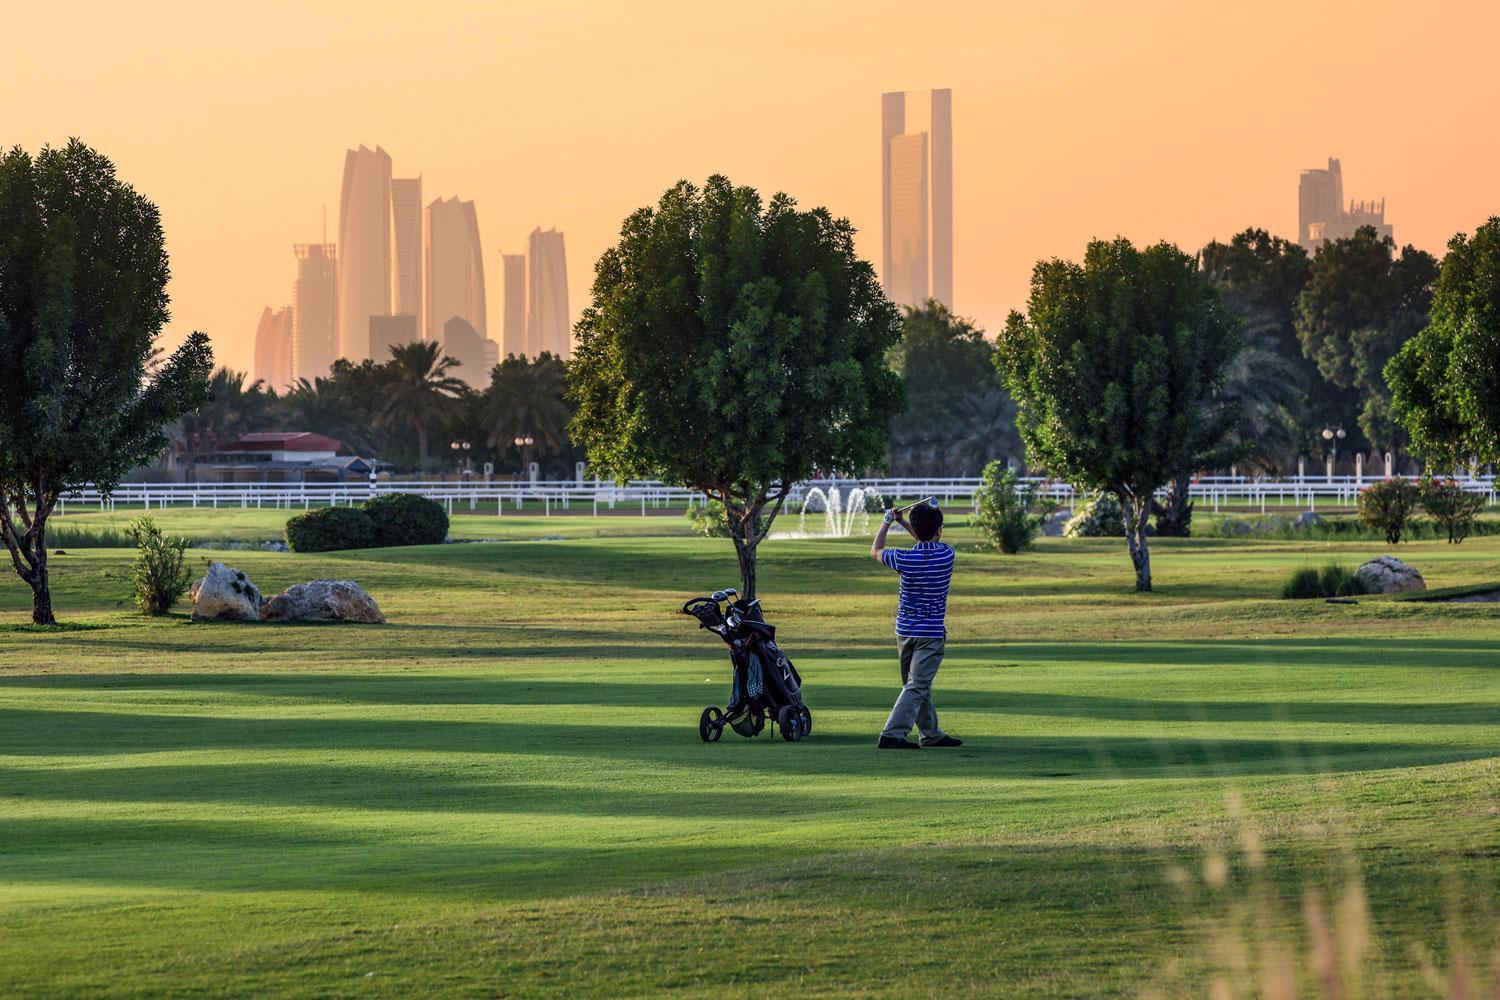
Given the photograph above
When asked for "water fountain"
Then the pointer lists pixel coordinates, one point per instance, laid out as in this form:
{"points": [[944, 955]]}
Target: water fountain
{"points": [[839, 517]]}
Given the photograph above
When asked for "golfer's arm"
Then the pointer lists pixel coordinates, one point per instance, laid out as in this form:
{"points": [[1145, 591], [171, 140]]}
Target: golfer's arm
{"points": [[878, 546]]}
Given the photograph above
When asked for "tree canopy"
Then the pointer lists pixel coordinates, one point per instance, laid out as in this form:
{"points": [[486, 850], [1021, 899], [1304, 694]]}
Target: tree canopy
{"points": [[734, 347], [83, 296], [957, 415], [1362, 302], [1445, 381], [1117, 366]]}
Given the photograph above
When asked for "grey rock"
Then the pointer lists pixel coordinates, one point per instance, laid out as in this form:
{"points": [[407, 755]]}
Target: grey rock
{"points": [[1389, 575], [1233, 527], [1307, 519], [323, 601], [225, 594]]}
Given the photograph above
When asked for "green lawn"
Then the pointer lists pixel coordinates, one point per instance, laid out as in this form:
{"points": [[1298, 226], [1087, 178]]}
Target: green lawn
{"points": [[503, 793]]}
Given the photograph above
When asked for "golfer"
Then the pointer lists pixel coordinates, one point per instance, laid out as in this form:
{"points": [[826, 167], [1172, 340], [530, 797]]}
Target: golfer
{"points": [[926, 571]]}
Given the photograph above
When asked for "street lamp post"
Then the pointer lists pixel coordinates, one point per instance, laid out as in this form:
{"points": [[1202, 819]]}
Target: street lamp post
{"points": [[1333, 435], [461, 455], [524, 442]]}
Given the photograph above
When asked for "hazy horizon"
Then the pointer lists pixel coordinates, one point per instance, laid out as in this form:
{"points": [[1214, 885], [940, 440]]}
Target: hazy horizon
{"points": [[1160, 121]]}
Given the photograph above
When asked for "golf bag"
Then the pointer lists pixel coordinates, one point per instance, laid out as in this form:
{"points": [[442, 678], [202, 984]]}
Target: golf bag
{"points": [[765, 685]]}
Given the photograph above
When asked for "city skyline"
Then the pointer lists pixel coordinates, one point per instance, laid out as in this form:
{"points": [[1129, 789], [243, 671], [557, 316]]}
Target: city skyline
{"points": [[917, 199], [1063, 134]]}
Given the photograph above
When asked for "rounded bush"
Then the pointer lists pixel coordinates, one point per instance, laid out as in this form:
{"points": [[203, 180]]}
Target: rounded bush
{"points": [[330, 529], [1097, 517], [406, 519]]}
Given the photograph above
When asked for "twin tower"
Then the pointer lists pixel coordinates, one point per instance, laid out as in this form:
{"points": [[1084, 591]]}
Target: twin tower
{"points": [[917, 198]]}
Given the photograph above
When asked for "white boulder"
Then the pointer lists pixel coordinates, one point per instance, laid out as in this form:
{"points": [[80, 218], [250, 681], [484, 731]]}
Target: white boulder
{"points": [[1389, 575], [225, 594], [323, 601]]}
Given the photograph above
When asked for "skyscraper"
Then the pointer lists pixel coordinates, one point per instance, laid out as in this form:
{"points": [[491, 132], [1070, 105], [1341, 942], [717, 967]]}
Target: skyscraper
{"points": [[513, 335], [1321, 215], [273, 348], [462, 343], [549, 325], [315, 310], [364, 248], [455, 267], [906, 277], [917, 201], [406, 220]]}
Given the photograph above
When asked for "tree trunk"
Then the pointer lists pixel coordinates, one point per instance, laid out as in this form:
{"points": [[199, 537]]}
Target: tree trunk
{"points": [[1137, 510], [421, 449], [1175, 518], [746, 551], [28, 553]]}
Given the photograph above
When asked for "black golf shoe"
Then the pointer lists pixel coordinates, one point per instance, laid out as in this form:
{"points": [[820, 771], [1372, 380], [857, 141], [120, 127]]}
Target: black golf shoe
{"points": [[892, 743], [944, 741]]}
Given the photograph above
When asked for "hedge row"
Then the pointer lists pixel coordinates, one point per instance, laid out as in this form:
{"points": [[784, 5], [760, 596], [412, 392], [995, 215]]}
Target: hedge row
{"points": [[387, 520]]}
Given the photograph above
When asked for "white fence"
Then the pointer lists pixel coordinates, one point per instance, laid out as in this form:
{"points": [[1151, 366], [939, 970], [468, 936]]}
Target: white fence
{"points": [[545, 496]]}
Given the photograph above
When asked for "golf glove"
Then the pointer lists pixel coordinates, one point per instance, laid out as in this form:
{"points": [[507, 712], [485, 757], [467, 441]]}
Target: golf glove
{"points": [[890, 516]]}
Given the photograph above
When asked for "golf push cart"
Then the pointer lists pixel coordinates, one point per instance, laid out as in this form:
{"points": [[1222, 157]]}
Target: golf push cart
{"points": [[766, 685]]}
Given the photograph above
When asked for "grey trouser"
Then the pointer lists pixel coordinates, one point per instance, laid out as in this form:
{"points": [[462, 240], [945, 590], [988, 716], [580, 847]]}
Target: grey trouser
{"points": [[920, 659]]}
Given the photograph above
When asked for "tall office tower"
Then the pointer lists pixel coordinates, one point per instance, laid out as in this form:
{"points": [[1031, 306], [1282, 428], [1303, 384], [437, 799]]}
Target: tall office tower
{"points": [[917, 191], [455, 267], [549, 325], [273, 348], [315, 310], [387, 332], [406, 221], [906, 276], [513, 336], [462, 343], [1320, 199], [491, 357], [1321, 215], [364, 248]]}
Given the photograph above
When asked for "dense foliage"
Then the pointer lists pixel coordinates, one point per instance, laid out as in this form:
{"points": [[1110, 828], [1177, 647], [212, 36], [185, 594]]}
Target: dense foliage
{"points": [[406, 519], [1361, 305], [1117, 366], [83, 296], [1388, 505], [1451, 506], [958, 417], [1096, 516], [330, 529], [159, 577], [734, 347], [1445, 383], [708, 519], [1007, 514], [1334, 580]]}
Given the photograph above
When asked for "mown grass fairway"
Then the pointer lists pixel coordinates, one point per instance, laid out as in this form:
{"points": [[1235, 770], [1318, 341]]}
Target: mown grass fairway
{"points": [[503, 793]]}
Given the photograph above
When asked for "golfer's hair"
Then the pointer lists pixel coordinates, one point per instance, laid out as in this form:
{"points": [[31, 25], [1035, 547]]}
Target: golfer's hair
{"points": [[925, 522]]}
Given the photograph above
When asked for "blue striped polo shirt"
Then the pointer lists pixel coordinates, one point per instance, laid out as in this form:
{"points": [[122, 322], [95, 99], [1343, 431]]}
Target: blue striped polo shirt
{"points": [[926, 570]]}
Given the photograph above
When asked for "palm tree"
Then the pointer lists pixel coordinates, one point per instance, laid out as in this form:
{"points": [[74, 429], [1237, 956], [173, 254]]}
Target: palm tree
{"points": [[320, 405], [527, 399], [420, 389]]}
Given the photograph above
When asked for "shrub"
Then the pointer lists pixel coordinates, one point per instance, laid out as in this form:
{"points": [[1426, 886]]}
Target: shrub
{"points": [[1387, 506], [1007, 516], [406, 519], [1096, 517], [1334, 580], [159, 577], [329, 529], [708, 520], [1451, 506]]}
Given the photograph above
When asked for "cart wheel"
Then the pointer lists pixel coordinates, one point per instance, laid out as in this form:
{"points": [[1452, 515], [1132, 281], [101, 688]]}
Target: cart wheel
{"points": [[711, 724], [790, 722], [804, 720]]}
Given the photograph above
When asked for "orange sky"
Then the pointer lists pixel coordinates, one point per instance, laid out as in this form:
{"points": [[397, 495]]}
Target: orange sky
{"points": [[1182, 121]]}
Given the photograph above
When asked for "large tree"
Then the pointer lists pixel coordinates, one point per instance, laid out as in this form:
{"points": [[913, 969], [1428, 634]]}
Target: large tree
{"points": [[83, 295], [1445, 381], [1361, 304], [527, 399], [957, 415], [1117, 367], [419, 390], [736, 348]]}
